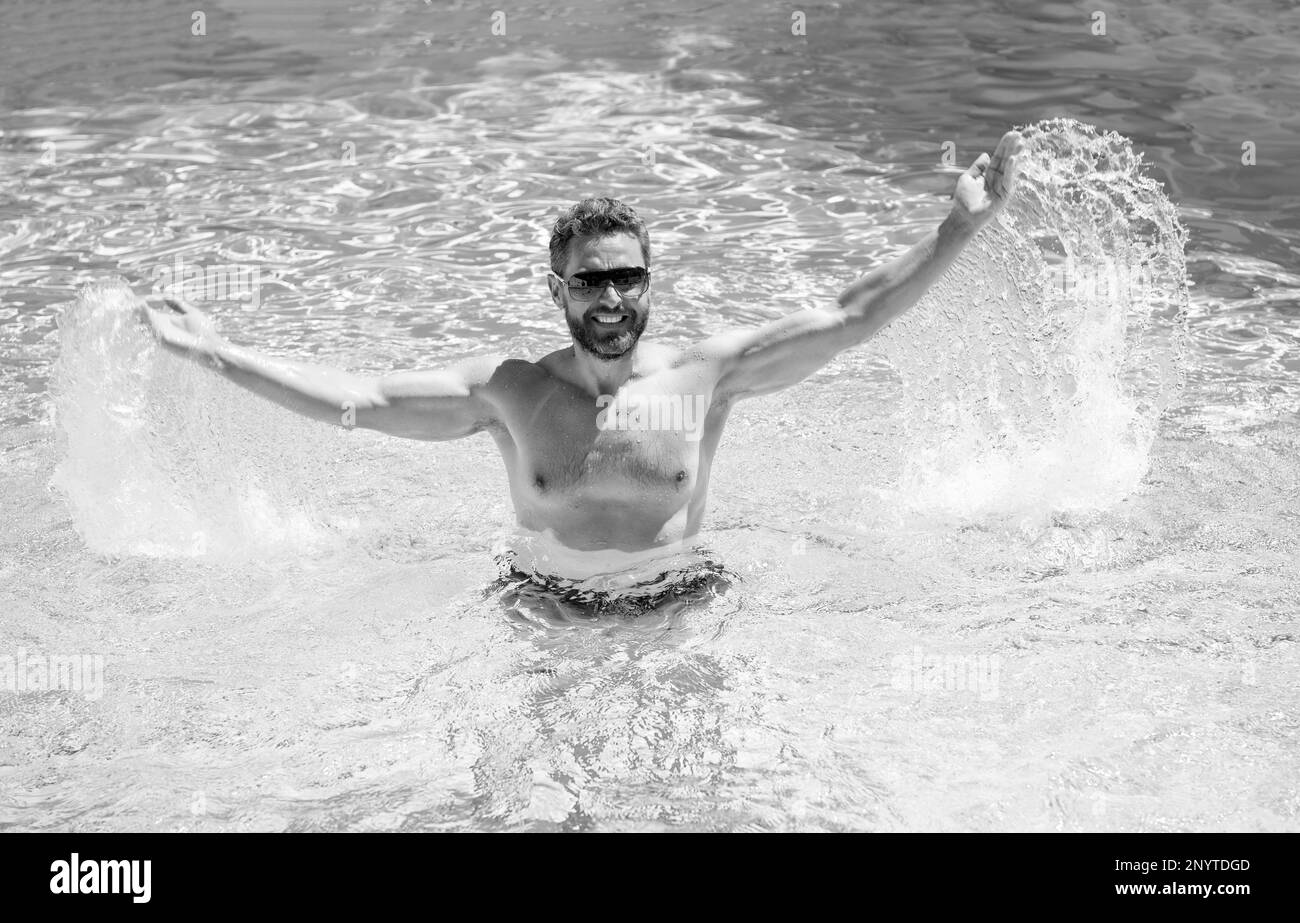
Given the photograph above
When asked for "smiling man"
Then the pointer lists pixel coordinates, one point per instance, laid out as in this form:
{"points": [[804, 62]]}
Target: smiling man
{"points": [[608, 443]]}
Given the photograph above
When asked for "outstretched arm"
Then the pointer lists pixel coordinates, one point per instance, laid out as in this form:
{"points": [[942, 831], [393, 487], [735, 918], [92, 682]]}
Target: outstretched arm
{"points": [[433, 405], [786, 351]]}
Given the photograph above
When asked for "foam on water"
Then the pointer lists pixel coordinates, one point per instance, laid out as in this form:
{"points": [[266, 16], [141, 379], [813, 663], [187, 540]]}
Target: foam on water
{"points": [[1035, 372]]}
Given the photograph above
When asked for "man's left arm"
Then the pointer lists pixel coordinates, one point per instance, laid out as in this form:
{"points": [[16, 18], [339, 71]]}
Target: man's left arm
{"points": [[784, 352]]}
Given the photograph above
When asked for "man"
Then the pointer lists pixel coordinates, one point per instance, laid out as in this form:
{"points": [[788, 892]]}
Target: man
{"points": [[608, 444]]}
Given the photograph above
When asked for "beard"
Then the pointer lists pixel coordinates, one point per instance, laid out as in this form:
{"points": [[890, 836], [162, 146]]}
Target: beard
{"points": [[604, 343]]}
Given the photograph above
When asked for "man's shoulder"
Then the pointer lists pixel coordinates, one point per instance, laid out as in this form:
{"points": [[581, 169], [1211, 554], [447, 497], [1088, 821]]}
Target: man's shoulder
{"points": [[491, 372], [496, 364]]}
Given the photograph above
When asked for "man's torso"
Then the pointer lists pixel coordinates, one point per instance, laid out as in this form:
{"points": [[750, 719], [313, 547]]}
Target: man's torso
{"points": [[628, 470]]}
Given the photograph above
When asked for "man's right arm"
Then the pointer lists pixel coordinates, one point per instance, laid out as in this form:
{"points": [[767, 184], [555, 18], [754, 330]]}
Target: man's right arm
{"points": [[434, 405]]}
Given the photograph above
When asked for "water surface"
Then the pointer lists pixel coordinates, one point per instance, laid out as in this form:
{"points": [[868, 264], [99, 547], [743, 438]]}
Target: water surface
{"points": [[960, 606]]}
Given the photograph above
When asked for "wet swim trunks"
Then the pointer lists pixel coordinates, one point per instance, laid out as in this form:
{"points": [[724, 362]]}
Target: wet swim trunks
{"points": [[608, 594]]}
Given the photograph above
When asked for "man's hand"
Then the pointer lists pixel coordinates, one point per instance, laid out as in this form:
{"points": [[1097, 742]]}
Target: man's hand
{"points": [[179, 324], [985, 187]]}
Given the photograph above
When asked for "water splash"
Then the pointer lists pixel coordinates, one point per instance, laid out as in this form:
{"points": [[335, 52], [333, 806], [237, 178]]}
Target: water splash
{"points": [[1035, 372], [162, 458]]}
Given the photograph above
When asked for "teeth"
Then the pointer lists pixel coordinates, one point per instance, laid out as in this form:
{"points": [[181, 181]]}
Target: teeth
{"points": [[609, 318]]}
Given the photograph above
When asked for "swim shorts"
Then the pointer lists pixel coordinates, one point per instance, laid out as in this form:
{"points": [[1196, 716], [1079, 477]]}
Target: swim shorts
{"points": [[608, 595]]}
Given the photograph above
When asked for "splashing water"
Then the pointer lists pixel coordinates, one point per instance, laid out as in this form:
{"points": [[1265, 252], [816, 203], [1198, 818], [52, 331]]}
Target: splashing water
{"points": [[1035, 372], [161, 458]]}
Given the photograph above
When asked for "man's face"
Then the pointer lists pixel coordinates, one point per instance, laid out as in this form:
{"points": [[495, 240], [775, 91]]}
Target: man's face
{"points": [[610, 325]]}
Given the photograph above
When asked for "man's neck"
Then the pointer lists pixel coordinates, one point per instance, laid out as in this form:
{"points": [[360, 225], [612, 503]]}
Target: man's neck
{"points": [[602, 376]]}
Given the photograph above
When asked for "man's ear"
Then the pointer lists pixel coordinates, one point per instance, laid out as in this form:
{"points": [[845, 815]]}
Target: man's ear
{"points": [[554, 285]]}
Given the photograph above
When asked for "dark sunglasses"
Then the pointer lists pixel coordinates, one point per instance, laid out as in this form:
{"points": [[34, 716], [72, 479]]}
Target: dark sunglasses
{"points": [[628, 282]]}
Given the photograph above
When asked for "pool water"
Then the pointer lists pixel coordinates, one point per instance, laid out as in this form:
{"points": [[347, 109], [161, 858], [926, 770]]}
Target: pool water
{"points": [[1027, 560]]}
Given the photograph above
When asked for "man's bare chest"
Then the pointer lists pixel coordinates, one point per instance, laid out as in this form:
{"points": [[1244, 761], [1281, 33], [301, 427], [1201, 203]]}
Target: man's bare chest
{"points": [[645, 436]]}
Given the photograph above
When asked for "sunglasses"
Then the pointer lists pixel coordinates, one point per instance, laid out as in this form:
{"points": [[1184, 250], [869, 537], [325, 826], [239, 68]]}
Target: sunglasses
{"points": [[628, 282]]}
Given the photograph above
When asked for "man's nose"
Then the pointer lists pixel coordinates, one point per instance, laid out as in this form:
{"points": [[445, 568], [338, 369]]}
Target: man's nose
{"points": [[609, 296]]}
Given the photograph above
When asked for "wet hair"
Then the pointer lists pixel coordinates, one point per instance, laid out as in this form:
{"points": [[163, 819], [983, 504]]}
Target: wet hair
{"points": [[598, 216]]}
